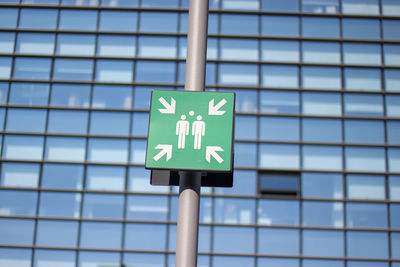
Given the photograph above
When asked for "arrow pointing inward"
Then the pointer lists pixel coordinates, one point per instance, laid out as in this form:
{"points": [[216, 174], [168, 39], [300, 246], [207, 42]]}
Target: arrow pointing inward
{"points": [[166, 149], [214, 110], [169, 108], [212, 151]]}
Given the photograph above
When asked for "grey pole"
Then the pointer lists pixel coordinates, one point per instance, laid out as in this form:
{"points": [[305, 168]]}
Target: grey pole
{"points": [[190, 182]]}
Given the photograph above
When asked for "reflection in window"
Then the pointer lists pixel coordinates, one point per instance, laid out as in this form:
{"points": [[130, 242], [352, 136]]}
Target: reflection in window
{"points": [[105, 178], [140, 123], [15, 256], [95, 258], [367, 105], [288, 5], [278, 129], [38, 18], [5, 67], [67, 121], [29, 94], [59, 204], [108, 150], [238, 49], [244, 183], [278, 76], [392, 80], [321, 52], [139, 181], [122, 21], [366, 215], [327, 7], [322, 185], [109, 123], [321, 104], [114, 45], [365, 7], [231, 261], [390, 8], [394, 159], [62, 176], [82, 2], [105, 96], [33, 43], [6, 41], [279, 102], [163, 47], [321, 130], [235, 211], [362, 79], [365, 186], [147, 208], [325, 263], [23, 147], [393, 132], [45, 258], [286, 51], [229, 239], [238, 74], [16, 232], [239, 24], [279, 156], [114, 71], [279, 212], [365, 54], [18, 203], [360, 28], [138, 151], [31, 68], [102, 206], [323, 243], [321, 78], [282, 262], [65, 148], [391, 54], [20, 174], [145, 236], [73, 69], [393, 105], [8, 17], [279, 26], [158, 22], [390, 29], [104, 235], [75, 44], [278, 241], [141, 259], [364, 131], [26, 120], [78, 20], [322, 214], [119, 3], [367, 244], [47, 231], [70, 95], [394, 187], [322, 157], [365, 159], [153, 72], [245, 154], [320, 27], [395, 216]]}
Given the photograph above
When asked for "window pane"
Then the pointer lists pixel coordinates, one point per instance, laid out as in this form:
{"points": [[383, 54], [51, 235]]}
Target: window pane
{"points": [[286, 51], [278, 129], [140, 124], [246, 100], [321, 78], [65, 148], [286, 5], [145, 236], [322, 185], [38, 18], [365, 7], [321, 52], [364, 54], [18, 203], [365, 159], [138, 151], [153, 72], [73, 69], [5, 67], [8, 17], [323, 243], [393, 132], [139, 181], [395, 216], [279, 102], [62, 176], [366, 215], [238, 49], [29, 94], [158, 22], [44, 258], [16, 232], [233, 239], [119, 2], [33, 43], [323, 214], [6, 41], [392, 80], [278, 241], [239, 24], [365, 187], [394, 159], [244, 183], [321, 104], [120, 46], [121, 21], [321, 130], [59, 204], [26, 120], [49, 234], [15, 257], [239, 4], [68, 95], [105, 96], [238, 74], [147, 208], [20, 174], [367, 105], [89, 259], [245, 154], [102, 206], [114, 71], [4, 92], [394, 187], [75, 44], [78, 20], [320, 27], [281, 262], [362, 79], [67, 121], [31, 68], [322, 263], [242, 126], [328, 6], [23, 147], [390, 7], [164, 47], [279, 26], [279, 156], [105, 178], [393, 105], [143, 259], [102, 235], [367, 244], [280, 76], [234, 211], [275, 212], [322, 157], [391, 54], [232, 261], [360, 28], [109, 123], [390, 29], [358, 131]]}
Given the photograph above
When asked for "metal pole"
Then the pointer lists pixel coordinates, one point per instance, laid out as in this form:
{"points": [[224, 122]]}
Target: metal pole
{"points": [[190, 182]]}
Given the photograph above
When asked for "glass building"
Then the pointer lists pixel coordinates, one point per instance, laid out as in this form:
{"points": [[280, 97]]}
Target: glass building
{"points": [[317, 140]]}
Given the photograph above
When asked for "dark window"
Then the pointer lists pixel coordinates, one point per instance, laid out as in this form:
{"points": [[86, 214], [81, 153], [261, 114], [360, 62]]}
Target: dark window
{"points": [[279, 183]]}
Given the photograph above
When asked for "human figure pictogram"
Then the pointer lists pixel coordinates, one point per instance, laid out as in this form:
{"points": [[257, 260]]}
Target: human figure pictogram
{"points": [[198, 130], [182, 129]]}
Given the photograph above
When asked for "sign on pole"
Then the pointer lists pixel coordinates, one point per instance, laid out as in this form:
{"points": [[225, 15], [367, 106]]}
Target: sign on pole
{"points": [[191, 131]]}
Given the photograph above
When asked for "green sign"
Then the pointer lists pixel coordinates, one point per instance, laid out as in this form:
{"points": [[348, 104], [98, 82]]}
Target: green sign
{"points": [[191, 131]]}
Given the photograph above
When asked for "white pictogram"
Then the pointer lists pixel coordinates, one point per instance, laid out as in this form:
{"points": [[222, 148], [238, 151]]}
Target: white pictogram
{"points": [[182, 129], [168, 108], [198, 130]]}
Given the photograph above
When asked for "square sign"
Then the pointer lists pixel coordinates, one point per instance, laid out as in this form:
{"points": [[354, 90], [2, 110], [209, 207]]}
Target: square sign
{"points": [[191, 131]]}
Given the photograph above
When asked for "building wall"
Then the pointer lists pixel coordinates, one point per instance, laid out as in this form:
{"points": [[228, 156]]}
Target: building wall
{"points": [[317, 150]]}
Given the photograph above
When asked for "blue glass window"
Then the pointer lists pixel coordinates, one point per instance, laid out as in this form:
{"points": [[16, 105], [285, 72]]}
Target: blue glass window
{"points": [[276, 102], [287, 5], [32, 68], [6, 41], [34, 43], [26, 120], [95, 258], [237, 74], [20, 174], [391, 54], [155, 71], [103, 206], [395, 245], [147, 208], [365, 186], [16, 232], [38, 18], [235, 211], [140, 123], [8, 17], [164, 47], [273, 50], [238, 49], [395, 216], [138, 151], [138, 259], [18, 203], [78, 20], [321, 78], [158, 22], [29, 94], [360, 28], [367, 105], [121, 21], [279, 26], [390, 29], [81, 2], [73, 69], [393, 105], [23, 147], [3, 92], [367, 244], [278, 129], [279, 156], [75, 44], [392, 80], [321, 104], [105, 96], [274, 212], [323, 263], [321, 52], [44, 258], [390, 8], [281, 262], [323, 243], [365, 7], [278, 76], [394, 159], [327, 7], [104, 235], [119, 2], [232, 261], [15, 257], [70, 95], [65, 148], [239, 24], [394, 187], [48, 230], [145, 236], [114, 45], [322, 157], [322, 185], [159, 3], [139, 181], [393, 132], [105, 178], [244, 183], [108, 150], [364, 131], [365, 159], [366, 215], [62, 176], [109, 123], [59, 204], [114, 71], [233, 239], [362, 79], [278, 241], [67, 121], [5, 67], [320, 27], [322, 214], [213, 23], [321, 130], [364, 54], [245, 154]]}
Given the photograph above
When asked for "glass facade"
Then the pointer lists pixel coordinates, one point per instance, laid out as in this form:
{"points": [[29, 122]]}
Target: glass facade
{"points": [[317, 139]]}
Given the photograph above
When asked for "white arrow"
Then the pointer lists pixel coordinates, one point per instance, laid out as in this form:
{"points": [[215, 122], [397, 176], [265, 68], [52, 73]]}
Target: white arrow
{"points": [[214, 110], [212, 151], [169, 108], [166, 149]]}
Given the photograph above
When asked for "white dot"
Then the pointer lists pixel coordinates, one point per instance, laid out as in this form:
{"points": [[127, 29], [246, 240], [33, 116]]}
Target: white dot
{"points": [[191, 113]]}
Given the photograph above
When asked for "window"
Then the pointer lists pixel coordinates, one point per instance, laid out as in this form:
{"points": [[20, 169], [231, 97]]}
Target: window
{"points": [[32, 68], [108, 150], [322, 185], [30, 94], [73, 69], [95, 258], [119, 3], [321, 78], [278, 241], [365, 159], [322, 157], [321, 104], [244, 183], [145, 236], [365, 186], [394, 159], [278, 129], [360, 28], [234, 211], [276, 212], [78, 20], [6, 41], [18, 203], [137, 259], [140, 123], [362, 79], [392, 80], [237, 49], [70, 95], [320, 27], [33, 43], [158, 22], [67, 121], [8, 17], [102, 206], [105, 178], [394, 216], [363, 105], [239, 24], [323, 243], [238, 74], [278, 76], [109, 123], [230, 239], [393, 132], [322, 214], [362, 54], [163, 47], [44, 258], [365, 7], [283, 156], [59, 204], [62, 176], [16, 232], [321, 52], [49, 234], [75, 44], [364, 131], [26, 120], [114, 71], [245, 154], [138, 151], [103, 235], [390, 8], [20, 174], [5, 67], [390, 31], [15, 257], [327, 7], [147, 208], [279, 26], [279, 102], [246, 100], [121, 21], [106, 96], [286, 51], [392, 105], [155, 72], [65, 148], [38, 18], [287, 5], [367, 244], [238, 4], [321, 130], [139, 181], [118, 46], [23, 147], [391, 54]]}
